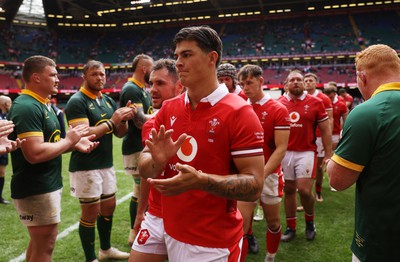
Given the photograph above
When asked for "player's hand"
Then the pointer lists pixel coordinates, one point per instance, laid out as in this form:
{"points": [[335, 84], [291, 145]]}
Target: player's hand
{"points": [[6, 127], [7, 146], [162, 147], [188, 178], [123, 114], [138, 221], [86, 145]]}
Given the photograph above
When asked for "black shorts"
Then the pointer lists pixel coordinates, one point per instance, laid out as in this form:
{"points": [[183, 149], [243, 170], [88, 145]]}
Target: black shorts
{"points": [[4, 160]]}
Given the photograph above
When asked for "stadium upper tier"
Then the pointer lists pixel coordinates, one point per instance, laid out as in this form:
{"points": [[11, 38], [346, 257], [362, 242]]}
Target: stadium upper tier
{"points": [[325, 45], [320, 35]]}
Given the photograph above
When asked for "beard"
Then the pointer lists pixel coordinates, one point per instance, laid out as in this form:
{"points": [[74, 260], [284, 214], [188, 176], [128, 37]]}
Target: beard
{"points": [[296, 91], [95, 87], [147, 77]]}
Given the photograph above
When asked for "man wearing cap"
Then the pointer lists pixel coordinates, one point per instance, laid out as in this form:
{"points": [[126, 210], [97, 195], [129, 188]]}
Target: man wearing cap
{"points": [[226, 74]]}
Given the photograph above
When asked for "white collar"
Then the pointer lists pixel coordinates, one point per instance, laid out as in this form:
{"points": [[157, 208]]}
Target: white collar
{"points": [[214, 97], [263, 100], [298, 98]]}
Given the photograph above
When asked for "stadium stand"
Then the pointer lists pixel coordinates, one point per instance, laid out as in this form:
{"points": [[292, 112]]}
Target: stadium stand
{"points": [[325, 45]]}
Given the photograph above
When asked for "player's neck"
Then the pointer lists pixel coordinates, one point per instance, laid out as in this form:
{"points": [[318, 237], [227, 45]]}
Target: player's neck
{"points": [[200, 91]]}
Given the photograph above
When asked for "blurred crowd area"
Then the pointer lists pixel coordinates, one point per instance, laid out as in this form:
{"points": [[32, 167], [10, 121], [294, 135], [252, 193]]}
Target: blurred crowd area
{"points": [[323, 36]]}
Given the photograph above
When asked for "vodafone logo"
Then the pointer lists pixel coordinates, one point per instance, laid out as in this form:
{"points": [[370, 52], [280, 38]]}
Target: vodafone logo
{"points": [[294, 117], [188, 150]]}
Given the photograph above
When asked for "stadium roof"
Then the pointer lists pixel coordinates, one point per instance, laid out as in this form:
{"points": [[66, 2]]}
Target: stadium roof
{"points": [[117, 13]]}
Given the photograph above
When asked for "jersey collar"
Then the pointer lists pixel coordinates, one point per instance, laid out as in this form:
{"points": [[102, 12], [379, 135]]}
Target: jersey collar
{"points": [[42, 100], [335, 100], [298, 98], [133, 80], [263, 100], [314, 94], [237, 90], [395, 86], [214, 97], [90, 94]]}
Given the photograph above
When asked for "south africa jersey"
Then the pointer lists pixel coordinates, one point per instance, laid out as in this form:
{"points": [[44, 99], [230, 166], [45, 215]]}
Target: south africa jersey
{"points": [[371, 145], [305, 113], [222, 127], [136, 93], [32, 117], [84, 105]]}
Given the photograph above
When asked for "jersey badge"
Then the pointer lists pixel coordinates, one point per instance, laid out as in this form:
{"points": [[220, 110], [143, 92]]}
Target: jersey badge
{"points": [[91, 106], [213, 125], [306, 107], [143, 236], [264, 115]]}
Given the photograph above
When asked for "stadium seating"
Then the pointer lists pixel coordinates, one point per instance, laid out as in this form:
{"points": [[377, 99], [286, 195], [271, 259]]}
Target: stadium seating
{"points": [[311, 35]]}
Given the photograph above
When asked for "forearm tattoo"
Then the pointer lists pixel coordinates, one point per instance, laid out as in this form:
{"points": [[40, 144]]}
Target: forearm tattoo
{"points": [[240, 187], [139, 119]]}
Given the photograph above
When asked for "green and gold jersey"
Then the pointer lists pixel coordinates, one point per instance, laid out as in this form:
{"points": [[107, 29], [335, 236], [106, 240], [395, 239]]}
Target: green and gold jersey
{"points": [[97, 110], [136, 93], [371, 145], [32, 117]]}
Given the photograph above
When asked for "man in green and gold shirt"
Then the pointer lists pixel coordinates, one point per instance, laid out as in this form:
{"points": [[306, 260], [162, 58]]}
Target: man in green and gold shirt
{"points": [[36, 182], [135, 91], [368, 155], [92, 176]]}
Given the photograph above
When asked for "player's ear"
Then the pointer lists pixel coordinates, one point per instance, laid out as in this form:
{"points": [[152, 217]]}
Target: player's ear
{"points": [[213, 56], [261, 80], [35, 78]]}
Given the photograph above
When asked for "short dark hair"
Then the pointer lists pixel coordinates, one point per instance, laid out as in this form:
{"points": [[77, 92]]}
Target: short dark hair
{"points": [[168, 64], [92, 64], [137, 59], [250, 71], [35, 64], [342, 90], [312, 75], [205, 37]]}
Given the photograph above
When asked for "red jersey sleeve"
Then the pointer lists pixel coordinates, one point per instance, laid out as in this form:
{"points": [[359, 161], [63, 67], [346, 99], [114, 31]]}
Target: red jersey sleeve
{"points": [[146, 130], [247, 134]]}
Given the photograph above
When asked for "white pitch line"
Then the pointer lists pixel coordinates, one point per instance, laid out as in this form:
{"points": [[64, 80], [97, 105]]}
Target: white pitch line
{"points": [[71, 228]]}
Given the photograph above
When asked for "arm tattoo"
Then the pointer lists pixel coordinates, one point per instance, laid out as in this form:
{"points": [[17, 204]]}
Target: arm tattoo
{"points": [[139, 119], [240, 187]]}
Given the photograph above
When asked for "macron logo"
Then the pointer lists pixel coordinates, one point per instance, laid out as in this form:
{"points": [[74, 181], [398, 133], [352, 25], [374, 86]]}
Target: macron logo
{"points": [[172, 120]]}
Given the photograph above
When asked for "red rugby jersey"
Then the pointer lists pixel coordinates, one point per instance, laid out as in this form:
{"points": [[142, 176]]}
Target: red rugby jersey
{"points": [[222, 127], [305, 113], [154, 199], [273, 116]]}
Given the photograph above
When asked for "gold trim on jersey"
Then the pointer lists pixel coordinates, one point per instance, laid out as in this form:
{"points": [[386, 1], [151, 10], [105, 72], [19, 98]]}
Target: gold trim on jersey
{"points": [[347, 164], [395, 86], [90, 94], [42, 100], [104, 121], [133, 80], [29, 134], [73, 121]]}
